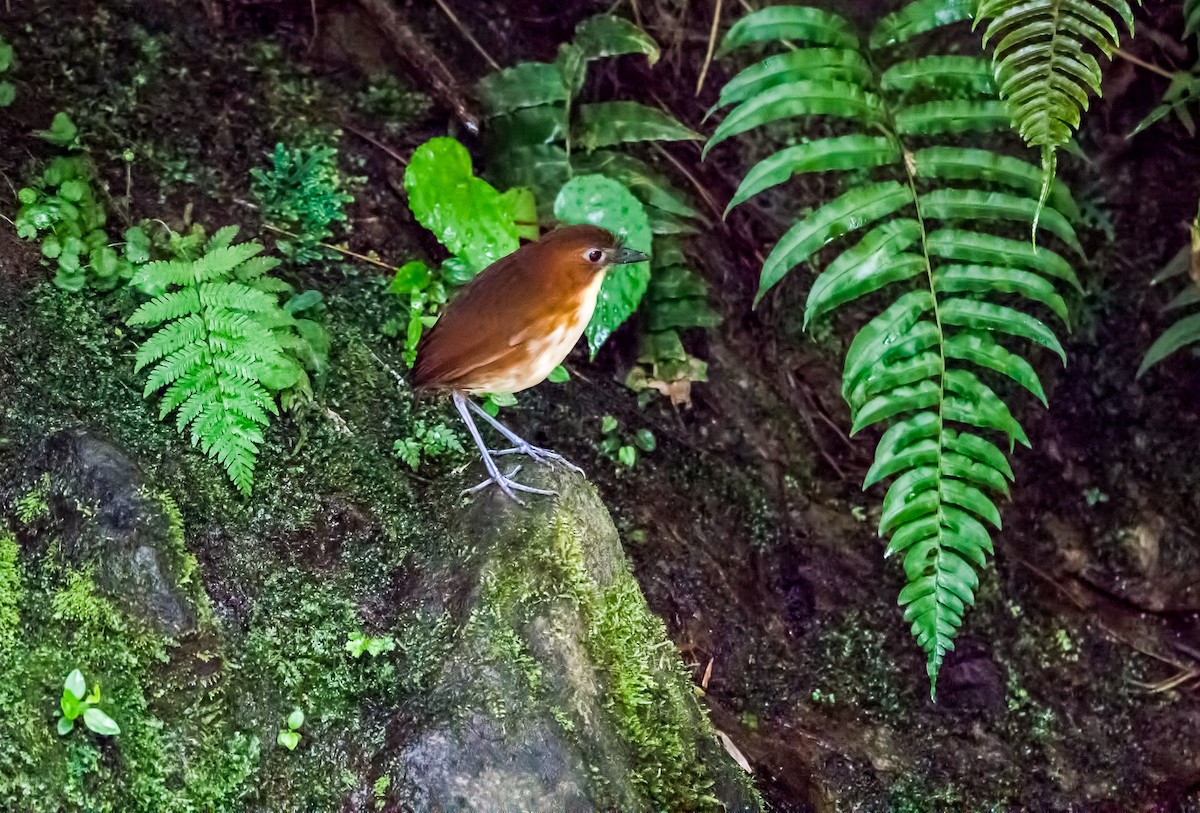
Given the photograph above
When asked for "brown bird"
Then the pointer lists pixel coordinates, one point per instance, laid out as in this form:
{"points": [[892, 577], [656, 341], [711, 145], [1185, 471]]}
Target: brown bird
{"points": [[511, 325]]}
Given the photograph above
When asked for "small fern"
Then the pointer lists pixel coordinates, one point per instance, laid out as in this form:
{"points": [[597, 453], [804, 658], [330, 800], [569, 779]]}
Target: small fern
{"points": [[223, 345], [937, 223], [1044, 61], [1185, 332]]}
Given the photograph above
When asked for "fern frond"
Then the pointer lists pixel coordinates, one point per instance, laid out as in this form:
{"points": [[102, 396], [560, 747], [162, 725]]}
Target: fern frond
{"points": [[932, 226], [216, 346], [1045, 64]]}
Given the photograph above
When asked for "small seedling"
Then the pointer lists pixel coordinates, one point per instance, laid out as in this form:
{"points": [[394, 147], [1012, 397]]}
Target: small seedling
{"points": [[62, 133], [8, 91], [437, 440], [622, 448], [358, 643], [75, 703], [289, 737], [303, 193]]}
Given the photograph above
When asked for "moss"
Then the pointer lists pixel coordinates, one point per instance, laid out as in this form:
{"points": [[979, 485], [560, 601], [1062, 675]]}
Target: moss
{"points": [[642, 683], [10, 591]]}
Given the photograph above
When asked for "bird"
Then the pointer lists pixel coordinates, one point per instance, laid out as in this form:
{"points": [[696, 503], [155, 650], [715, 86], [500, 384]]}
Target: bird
{"points": [[510, 326]]}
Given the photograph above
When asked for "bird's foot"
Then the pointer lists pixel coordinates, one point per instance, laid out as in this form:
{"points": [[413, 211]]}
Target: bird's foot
{"points": [[545, 457], [507, 484]]}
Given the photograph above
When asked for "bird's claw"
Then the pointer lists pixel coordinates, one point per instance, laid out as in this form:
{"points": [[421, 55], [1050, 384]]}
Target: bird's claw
{"points": [[545, 457], [508, 485]]}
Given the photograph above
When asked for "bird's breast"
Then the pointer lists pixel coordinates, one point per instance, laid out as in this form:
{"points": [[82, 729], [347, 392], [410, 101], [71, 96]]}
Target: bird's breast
{"points": [[543, 345]]}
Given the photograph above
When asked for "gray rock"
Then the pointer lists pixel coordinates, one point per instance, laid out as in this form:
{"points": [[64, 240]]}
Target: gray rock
{"points": [[110, 521], [560, 690]]}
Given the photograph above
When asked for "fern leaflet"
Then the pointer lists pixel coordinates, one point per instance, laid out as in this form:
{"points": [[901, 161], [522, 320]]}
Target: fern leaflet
{"points": [[937, 224]]}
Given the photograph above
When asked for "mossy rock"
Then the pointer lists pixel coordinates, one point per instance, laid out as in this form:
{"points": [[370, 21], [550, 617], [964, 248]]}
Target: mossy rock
{"points": [[560, 689]]}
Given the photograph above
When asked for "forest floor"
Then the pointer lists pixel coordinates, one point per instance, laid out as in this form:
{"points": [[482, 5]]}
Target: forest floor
{"points": [[747, 529]]}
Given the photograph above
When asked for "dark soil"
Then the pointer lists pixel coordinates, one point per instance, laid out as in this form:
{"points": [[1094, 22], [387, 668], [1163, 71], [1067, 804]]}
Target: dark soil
{"points": [[748, 531]]}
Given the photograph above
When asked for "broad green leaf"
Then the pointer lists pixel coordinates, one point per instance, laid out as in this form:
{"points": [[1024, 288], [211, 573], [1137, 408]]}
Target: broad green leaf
{"points": [[794, 66], [978, 315], [984, 279], [954, 116], [883, 332], [975, 247], [529, 126], [923, 395], [972, 204], [100, 722], [880, 259], [542, 168], [831, 98], [982, 350], [893, 373], [916, 18], [839, 152], [74, 685], [859, 207], [650, 186], [469, 217], [1185, 298], [607, 203], [527, 84], [967, 164], [970, 73], [976, 404], [804, 24], [410, 278], [1183, 333], [603, 124], [976, 448], [607, 35]]}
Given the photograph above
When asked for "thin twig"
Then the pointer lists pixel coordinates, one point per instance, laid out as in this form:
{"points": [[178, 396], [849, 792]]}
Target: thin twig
{"points": [[316, 31], [338, 249], [467, 34], [712, 44], [376, 142], [637, 13], [1141, 63], [704, 193]]}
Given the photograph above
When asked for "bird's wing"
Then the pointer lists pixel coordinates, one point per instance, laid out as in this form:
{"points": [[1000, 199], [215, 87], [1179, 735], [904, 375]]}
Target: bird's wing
{"points": [[485, 322]]}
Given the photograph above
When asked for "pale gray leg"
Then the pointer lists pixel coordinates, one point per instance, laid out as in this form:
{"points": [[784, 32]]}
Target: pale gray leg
{"points": [[507, 485], [544, 456]]}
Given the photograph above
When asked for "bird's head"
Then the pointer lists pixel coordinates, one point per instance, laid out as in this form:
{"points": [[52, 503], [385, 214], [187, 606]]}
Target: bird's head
{"points": [[586, 251]]}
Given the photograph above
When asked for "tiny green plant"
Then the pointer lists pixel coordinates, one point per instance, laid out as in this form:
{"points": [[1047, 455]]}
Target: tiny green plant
{"points": [[77, 702], [61, 208], [223, 346], [303, 194], [8, 91], [1185, 332], [62, 132], [32, 505], [289, 737], [427, 440], [623, 448], [359, 643]]}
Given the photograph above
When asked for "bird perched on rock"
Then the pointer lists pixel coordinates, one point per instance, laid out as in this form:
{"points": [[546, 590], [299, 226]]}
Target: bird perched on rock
{"points": [[511, 325]]}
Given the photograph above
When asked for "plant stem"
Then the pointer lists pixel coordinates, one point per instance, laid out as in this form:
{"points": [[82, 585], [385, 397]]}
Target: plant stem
{"points": [[1141, 63]]}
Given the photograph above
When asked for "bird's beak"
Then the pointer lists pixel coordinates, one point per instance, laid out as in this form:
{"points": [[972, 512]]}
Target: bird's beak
{"points": [[627, 255]]}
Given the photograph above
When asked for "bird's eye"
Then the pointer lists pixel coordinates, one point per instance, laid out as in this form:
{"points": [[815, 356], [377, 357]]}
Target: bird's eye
{"points": [[595, 255]]}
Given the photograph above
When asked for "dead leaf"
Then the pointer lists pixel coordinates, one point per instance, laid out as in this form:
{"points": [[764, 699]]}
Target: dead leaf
{"points": [[707, 675], [737, 755]]}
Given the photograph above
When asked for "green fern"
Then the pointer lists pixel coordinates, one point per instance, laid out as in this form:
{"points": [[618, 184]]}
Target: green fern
{"points": [[223, 346], [1185, 332], [939, 225], [1045, 64]]}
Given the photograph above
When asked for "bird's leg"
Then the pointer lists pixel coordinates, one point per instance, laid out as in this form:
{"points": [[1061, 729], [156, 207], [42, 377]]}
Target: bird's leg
{"points": [[544, 456], [505, 481]]}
